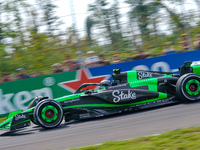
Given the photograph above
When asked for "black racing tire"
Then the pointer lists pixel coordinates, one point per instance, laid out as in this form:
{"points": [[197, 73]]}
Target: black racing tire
{"points": [[33, 103], [188, 87], [48, 113]]}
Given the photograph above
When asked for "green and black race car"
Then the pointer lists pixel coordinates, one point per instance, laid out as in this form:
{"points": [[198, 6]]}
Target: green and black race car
{"points": [[129, 91]]}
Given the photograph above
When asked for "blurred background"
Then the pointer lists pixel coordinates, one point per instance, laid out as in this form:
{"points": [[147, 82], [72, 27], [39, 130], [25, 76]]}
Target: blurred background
{"points": [[39, 37]]}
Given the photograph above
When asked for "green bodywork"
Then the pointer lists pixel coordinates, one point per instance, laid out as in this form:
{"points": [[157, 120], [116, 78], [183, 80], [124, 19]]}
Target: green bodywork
{"points": [[134, 82], [14, 113], [150, 82], [161, 96], [131, 79], [6, 125], [196, 69]]}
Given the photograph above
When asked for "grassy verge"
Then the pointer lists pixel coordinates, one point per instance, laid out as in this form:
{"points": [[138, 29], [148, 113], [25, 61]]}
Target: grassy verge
{"points": [[181, 139], [3, 119]]}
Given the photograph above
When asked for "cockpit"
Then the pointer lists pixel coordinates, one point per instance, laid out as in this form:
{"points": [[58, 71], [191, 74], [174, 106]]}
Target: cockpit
{"points": [[118, 76]]}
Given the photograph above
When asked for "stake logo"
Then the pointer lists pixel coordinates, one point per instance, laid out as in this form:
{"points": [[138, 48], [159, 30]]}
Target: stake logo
{"points": [[82, 76], [121, 95], [18, 116], [142, 75]]}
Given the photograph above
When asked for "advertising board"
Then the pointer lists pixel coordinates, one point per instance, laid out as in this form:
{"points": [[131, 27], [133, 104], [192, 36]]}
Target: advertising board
{"points": [[16, 95]]}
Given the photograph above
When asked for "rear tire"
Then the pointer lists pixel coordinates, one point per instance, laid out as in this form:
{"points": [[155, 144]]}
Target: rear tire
{"points": [[48, 113], [188, 87]]}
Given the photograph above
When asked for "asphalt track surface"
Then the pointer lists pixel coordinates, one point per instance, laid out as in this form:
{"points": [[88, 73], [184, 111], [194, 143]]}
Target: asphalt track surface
{"points": [[89, 132]]}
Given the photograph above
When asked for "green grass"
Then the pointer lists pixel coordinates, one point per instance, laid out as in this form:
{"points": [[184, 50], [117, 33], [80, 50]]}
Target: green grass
{"points": [[181, 139], [3, 119]]}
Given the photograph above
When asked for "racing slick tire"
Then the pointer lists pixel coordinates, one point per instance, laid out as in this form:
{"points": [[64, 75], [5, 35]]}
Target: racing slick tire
{"points": [[188, 87], [33, 103], [48, 113]]}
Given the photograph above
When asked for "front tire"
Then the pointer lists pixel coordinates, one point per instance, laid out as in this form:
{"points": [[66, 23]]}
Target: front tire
{"points": [[188, 87], [48, 113], [33, 103]]}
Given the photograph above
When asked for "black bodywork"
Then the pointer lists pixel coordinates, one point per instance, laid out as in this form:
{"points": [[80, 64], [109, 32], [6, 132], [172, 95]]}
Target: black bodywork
{"points": [[129, 91]]}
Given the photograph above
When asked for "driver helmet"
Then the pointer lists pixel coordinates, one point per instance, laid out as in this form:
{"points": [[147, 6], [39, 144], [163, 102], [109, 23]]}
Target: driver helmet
{"points": [[105, 83]]}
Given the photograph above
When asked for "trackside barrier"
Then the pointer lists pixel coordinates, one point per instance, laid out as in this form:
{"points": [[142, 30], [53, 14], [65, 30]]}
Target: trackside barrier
{"points": [[16, 95]]}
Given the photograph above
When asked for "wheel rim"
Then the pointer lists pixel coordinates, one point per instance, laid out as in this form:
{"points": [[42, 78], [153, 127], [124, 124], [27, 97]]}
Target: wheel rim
{"points": [[49, 113], [193, 87]]}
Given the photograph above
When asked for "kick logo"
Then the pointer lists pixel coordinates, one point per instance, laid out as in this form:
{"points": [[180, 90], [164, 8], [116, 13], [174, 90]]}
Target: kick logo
{"points": [[82, 76]]}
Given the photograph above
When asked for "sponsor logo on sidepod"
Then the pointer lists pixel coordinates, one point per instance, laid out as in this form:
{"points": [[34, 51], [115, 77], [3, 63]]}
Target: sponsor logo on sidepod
{"points": [[120, 95]]}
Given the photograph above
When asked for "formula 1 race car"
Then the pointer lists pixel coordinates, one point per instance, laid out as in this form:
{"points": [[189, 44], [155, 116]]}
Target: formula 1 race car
{"points": [[129, 91]]}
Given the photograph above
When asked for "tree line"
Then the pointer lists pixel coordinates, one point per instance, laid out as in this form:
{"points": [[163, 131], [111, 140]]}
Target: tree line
{"points": [[32, 34]]}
